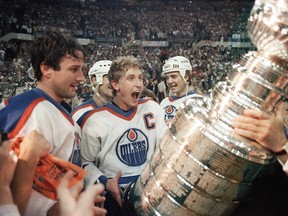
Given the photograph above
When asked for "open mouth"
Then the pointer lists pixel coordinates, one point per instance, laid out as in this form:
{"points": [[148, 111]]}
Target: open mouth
{"points": [[135, 95], [74, 86]]}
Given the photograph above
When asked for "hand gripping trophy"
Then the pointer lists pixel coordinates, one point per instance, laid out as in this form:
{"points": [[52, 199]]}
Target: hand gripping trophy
{"points": [[200, 168]]}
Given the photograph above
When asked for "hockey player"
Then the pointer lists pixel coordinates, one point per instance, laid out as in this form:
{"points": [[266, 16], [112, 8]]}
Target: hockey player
{"points": [[102, 91], [178, 72], [58, 63], [119, 138]]}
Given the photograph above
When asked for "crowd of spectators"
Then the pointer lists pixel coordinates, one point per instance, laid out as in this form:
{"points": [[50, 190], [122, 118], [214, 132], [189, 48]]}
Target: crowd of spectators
{"points": [[186, 21], [146, 20]]}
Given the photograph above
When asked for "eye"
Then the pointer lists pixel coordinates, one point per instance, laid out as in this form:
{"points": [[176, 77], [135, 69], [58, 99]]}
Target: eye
{"points": [[74, 70]]}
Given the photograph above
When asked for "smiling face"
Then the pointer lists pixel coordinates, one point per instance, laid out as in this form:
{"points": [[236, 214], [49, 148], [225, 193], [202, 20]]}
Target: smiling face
{"points": [[128, 88], [176, 83], [62, 83]]}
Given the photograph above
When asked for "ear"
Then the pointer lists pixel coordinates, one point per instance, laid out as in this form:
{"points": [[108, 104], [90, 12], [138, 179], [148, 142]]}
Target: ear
{"points": [[115, 85], [46, 71], [94, 80], [186, 78]]}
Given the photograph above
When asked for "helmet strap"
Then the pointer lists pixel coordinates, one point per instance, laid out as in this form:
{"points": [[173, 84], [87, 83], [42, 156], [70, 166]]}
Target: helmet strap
{"points": [[103, 100], [187, 89]]}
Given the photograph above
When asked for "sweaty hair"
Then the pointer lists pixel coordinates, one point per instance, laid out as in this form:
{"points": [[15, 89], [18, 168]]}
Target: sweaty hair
{"points": [[120, 66], [50, 49]]}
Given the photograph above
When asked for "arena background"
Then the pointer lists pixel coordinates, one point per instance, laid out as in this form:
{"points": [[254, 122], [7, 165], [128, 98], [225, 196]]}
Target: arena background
{"points": [[212, 34]]}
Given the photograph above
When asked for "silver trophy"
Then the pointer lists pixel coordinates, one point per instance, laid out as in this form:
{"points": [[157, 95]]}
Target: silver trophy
{"points": [[201, 167]]}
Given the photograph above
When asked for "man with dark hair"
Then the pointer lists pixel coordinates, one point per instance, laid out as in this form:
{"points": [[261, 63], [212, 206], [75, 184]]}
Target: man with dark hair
{"points": [[57, 62]]}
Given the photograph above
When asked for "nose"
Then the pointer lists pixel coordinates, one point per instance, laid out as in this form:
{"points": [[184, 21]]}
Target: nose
{"points": [[80, 76], [139, 82]]}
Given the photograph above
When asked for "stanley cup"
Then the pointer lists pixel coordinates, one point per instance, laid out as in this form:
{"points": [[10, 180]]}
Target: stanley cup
{"points": [[201, 167]]}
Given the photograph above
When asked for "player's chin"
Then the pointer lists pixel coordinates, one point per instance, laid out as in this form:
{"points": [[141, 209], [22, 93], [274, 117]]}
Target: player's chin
{"points": [[172, 87], [173, 90], [109, 94], [134, 102], [70, 94]]}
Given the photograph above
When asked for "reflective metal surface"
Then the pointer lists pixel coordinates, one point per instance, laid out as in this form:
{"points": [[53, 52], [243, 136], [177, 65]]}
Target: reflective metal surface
{"points": [[201, 167], [267, 27]]}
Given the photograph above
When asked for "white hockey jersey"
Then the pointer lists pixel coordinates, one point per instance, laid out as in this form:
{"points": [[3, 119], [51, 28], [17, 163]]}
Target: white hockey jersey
{"points": [[171, 104], [114, 140], [79, 113], [35, 110]]}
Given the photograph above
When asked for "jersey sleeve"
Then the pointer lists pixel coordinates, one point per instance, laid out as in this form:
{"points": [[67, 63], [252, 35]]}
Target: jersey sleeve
{"points": [[90, 148]]}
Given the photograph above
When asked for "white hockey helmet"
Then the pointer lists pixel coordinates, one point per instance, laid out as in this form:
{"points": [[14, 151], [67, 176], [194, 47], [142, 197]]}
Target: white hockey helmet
{"points": [[99, 69], [177, 63], [30, 73]]}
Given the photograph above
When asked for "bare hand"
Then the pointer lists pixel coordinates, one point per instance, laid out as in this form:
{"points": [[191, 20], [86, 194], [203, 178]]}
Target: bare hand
{"points": [[113, 188], [34, 146], [74, 203], [7, 165], [264, 128]]}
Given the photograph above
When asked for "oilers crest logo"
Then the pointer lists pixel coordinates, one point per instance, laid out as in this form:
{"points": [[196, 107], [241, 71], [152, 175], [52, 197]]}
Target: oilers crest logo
{"points": [[132, 147], [170, 111]]}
